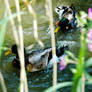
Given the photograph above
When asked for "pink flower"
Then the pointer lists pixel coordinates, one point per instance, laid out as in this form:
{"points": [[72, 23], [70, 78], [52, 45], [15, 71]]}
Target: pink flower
{"points": [[90, 47], [89, 39], [62, 64], [89, 35], [90, 13]]}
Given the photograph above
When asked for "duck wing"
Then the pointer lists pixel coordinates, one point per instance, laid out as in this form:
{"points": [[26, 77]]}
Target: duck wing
{"points": [[43, 61], [39, 60], [35, 56]]}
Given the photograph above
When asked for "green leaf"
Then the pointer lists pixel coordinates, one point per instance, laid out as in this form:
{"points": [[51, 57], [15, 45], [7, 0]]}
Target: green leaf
{"points": [[59, 85], [71, 55], [80, 65], [79, 86], [88, 62], [73, 70], [88, 78]]}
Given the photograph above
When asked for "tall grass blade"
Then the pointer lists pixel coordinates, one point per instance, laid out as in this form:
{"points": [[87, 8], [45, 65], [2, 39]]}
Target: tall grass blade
{"points": [[58, 86]]}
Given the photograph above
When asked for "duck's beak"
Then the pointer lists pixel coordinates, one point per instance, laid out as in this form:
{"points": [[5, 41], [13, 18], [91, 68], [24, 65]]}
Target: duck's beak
{"points": [[57, 29], [8, 52]]}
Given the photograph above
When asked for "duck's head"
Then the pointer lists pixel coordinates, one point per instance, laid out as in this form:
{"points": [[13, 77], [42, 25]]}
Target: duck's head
{"points": [[63, 25], [13, 50], [67, 19]]}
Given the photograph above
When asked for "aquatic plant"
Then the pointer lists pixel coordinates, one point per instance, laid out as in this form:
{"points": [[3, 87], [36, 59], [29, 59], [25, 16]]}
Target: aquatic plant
{"points": [[81, 76]]}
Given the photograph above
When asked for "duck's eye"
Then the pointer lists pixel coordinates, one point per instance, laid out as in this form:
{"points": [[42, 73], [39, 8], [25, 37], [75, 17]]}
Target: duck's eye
{"points": [[67, 27], [58, 8]]}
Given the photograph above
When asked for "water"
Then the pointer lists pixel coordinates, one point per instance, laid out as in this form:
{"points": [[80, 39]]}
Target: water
{"points": [[39, 81]]}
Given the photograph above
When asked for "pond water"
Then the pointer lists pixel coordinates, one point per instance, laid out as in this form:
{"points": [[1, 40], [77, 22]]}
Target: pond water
{"points": [[39, 81]]}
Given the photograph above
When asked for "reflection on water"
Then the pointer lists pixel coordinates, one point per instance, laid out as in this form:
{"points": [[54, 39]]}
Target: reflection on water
{"points": [[39, 81]]}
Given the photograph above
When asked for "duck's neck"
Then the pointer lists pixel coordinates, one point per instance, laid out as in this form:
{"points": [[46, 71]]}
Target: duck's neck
{"points": [[59, 54], [58, 59], [16, 63]]}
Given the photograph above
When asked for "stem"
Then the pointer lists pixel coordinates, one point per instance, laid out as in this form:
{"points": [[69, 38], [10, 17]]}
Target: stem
{"points": [[23, 79], [2, 83], [50, 15], [83, 83], [31, 11], [80, 66], [15, 34]]}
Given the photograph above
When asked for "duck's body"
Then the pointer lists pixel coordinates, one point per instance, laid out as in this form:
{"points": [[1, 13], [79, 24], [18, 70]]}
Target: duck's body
{"points": [[39, 59], [67, 19]]}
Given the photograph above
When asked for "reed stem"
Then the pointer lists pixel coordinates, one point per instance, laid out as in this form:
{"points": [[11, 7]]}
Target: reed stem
{"points": [[31, 11], [19, 42], [50, 15], [23, 79], [2, 83], [83, 83], [15, 34]]}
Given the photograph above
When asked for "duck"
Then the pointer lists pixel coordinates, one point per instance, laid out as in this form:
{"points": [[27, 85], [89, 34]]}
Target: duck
{"points": [[37, 60], [67, 18]]}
